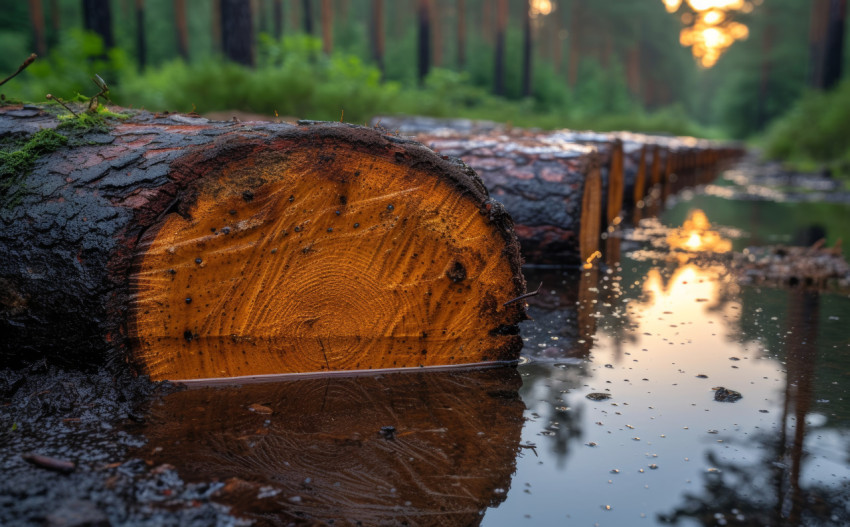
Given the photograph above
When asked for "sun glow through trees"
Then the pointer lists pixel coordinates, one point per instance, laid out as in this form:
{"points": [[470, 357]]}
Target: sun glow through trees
{"points": [[709, 27]]}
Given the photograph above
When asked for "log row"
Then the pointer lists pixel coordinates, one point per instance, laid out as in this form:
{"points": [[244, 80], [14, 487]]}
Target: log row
{"points": [[537, 175], [195, 249]]}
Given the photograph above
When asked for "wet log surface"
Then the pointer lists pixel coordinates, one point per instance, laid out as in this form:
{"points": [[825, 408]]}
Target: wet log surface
{"points": [[553, 188], [634, 169], [197, 249]]}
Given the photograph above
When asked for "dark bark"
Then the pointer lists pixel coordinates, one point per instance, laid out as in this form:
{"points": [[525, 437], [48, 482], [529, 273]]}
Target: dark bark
{"points": [[377, 33], [543, 182], [424, 39], [499, 54], [141, 45], [97, 17], [85, 216], [237, 31], [527, 45]]}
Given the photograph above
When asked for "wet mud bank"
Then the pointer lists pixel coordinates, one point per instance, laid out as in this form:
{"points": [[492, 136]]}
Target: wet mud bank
{"points": [[67, 454]]}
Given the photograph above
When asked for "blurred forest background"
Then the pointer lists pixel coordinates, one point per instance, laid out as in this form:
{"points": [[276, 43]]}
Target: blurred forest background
{"points": [[765, 70]]}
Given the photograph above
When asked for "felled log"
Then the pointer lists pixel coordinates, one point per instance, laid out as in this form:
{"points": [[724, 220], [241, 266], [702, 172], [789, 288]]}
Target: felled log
{"points": [[195, 249], [396, 449], [552, 188]]}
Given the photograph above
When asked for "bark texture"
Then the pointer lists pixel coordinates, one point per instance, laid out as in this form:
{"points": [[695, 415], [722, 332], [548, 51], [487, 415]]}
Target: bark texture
{"points": [[553, 188], [195, 249]]}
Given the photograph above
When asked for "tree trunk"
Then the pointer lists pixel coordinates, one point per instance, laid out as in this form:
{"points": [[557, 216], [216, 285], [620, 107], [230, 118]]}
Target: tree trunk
{"points": [[141, 46], [327, 27], [527, 45], [499, 57], [237, 31], [461, 35], [307, 8], [182, 28], [553, 189], [97, 17], [195, 249], [38, 27], [377, 25], [215, 19], [834, 52], [424, 39], [277, 16]]}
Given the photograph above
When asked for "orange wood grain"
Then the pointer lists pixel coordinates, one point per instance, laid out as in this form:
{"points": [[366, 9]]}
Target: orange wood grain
{"points": [[318, 257]]}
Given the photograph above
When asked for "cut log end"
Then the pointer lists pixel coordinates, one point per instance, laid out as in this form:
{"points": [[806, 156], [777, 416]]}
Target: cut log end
{"points": [[331, 248]]}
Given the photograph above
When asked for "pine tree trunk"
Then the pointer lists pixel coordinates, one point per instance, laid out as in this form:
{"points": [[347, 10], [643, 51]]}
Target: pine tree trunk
{"points": [[377, 40], [237, 31], [327, 27], [424, 39], [38, 27], [527, 45], [141, 45], [194, 249], [97, 17], [499, 57], [182, 27]]}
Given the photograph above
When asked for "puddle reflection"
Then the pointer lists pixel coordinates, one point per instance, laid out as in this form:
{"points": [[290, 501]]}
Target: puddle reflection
{"points": [[661, 449], [422, 448]]}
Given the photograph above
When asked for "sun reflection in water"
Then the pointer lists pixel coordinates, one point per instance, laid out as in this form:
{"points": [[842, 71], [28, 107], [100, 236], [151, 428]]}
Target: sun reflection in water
{"points": [[696, 235]]}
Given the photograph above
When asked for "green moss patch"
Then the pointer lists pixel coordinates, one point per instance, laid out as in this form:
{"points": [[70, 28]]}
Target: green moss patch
{"points": [[17, 159]]}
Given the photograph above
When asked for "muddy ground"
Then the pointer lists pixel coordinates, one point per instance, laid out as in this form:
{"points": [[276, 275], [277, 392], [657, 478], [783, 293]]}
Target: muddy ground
{"points": [[87, 419]]}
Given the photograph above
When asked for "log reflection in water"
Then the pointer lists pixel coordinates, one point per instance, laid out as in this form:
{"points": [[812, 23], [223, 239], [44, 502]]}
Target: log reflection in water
{"points": [[562, 321], [419, 448]]}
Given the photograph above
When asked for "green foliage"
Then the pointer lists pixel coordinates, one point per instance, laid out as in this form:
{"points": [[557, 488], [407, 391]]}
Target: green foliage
{"points": [[816, 131], [17, 158], [68, 70]]}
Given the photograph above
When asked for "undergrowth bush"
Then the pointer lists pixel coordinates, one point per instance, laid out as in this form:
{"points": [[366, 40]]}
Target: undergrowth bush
{"points": [[815, 132], [294, 78]]}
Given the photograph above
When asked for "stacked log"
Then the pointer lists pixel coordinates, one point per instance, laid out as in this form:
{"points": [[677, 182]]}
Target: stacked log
{"points": [[195, 249], [635, 170], [554, 189]]}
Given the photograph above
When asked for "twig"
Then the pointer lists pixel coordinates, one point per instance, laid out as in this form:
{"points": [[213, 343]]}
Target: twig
{"points": [[57, 465], [526, 295], [21, 68], [50, 97]]}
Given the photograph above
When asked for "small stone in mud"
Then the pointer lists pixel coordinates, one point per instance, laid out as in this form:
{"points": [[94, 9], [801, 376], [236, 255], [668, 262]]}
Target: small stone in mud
{"points": [[596, 396], [260, 409], [726, 396], [77, 513], [734, 358], [702, 376], [388, 432]]}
